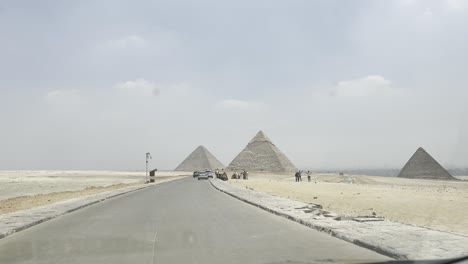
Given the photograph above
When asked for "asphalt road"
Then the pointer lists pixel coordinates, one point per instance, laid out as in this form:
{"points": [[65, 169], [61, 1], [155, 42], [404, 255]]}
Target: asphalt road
{"points": [[184, 221]]}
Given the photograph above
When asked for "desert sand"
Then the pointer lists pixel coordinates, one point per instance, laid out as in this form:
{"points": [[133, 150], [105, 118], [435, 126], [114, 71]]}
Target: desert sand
{"points": [[26, 189], [440, 205]]}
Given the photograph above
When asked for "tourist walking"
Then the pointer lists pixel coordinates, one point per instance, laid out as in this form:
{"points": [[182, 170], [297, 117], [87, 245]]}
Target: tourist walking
{"points": [[308, 176]]}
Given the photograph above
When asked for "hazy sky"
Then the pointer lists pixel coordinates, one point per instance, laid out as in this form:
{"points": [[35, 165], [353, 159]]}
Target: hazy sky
{"points": [[346, 84]]}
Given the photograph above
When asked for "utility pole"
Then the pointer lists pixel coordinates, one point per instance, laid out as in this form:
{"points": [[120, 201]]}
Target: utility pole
{"points": [[148, 156]]}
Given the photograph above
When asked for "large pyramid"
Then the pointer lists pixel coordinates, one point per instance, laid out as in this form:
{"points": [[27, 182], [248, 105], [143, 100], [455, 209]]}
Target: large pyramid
{"points": [[200, 159], [422, 166], [261, 155]]}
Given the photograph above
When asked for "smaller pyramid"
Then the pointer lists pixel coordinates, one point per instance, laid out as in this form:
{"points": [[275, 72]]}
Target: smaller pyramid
{"points": [[423, 166], [200, 159], [261, 154]]}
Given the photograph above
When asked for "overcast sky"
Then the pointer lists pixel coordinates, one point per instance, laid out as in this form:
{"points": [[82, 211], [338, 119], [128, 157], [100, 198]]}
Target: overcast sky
{"points": [[334, 84]]}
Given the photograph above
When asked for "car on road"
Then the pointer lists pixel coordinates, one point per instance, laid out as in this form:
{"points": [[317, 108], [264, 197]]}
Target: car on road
{"points": [[203, 176], [196, 173], [210, 174]]}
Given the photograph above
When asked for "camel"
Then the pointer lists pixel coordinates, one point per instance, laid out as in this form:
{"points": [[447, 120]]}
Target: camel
{"points": [[224, 176]]}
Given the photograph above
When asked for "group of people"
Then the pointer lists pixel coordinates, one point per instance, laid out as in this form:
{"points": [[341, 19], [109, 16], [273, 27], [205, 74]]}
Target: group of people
{"points": [[222, 175], [298, 175], [244, 174]]}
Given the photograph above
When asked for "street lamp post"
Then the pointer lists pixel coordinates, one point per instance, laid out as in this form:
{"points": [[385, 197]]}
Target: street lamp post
{"points": [[148, 156]]}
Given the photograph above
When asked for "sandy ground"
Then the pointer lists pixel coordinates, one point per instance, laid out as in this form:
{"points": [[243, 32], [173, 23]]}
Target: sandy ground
{"points": [[26, 202], [440, 205], [26, 189], [21, 183]]}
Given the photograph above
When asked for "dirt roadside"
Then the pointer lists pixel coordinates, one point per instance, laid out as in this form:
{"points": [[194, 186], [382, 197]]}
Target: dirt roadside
{"points": [[30, 201]]}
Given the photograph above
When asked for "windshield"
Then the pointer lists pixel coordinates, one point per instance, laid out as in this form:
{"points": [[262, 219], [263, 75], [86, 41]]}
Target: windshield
{"points": [[233, 131]]}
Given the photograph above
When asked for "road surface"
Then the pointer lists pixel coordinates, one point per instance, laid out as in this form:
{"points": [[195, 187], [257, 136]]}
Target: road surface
{"points": [[183, 221]]}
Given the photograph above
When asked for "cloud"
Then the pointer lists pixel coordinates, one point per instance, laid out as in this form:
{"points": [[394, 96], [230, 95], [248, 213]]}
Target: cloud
{"points": [[138, 87], [427, 13], [372, 85], [235, 104], [63, 97], [131, 41], [456, 4], [406, 2]]}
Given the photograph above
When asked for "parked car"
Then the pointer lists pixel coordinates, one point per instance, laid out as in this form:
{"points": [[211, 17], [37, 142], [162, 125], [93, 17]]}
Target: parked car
{"points": [[210, 174], [203, 176]]}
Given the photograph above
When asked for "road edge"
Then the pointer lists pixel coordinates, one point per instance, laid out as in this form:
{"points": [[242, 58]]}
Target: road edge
{"points": [[356, 237], [15, 222], [329, 231]]}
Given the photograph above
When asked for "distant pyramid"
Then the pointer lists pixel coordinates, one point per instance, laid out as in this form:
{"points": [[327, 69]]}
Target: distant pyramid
{"points": [[261, 155], [200, 159], [422, 166]]}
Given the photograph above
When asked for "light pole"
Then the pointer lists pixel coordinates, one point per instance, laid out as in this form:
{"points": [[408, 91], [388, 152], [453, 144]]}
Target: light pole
{"points": [[148, 156]]}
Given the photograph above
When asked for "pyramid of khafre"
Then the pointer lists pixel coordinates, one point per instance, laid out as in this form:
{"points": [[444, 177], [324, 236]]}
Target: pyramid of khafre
{"points": [[261, 155], [200, 159], [422, 166]]}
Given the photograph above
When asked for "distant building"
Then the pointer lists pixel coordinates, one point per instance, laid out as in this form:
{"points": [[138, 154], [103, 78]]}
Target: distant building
{"points": [[200, 159], [261, 155], [423, 166]]}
